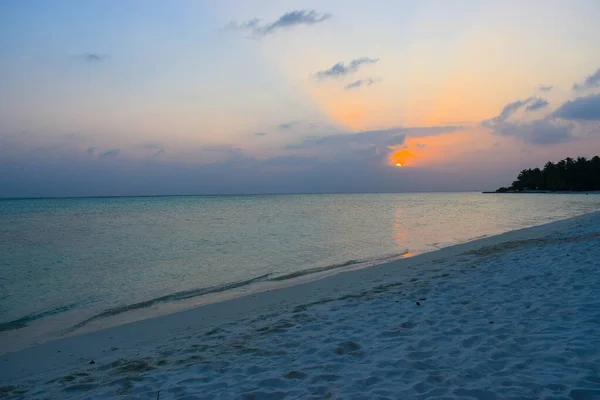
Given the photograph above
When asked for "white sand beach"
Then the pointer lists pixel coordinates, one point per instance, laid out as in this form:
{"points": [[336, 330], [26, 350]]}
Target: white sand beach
{"points": [[507, 317]]}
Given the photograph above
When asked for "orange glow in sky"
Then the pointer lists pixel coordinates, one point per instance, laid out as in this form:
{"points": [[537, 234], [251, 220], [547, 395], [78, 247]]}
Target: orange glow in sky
{"points": [[440, 149], [401, 158]]}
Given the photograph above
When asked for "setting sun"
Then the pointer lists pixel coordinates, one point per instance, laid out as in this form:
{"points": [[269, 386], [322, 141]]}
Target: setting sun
{"points": [[398, 164]]}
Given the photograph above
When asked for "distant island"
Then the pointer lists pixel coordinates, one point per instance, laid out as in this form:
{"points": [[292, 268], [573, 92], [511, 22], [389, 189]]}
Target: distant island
{"points": [[568, 175]]}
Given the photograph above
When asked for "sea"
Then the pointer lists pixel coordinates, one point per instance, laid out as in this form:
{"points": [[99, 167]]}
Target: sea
{"points": [[66, 264]]}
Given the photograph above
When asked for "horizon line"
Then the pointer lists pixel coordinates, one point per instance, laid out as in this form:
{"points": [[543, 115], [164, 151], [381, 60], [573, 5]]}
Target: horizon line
{"points": [[226, 194]]}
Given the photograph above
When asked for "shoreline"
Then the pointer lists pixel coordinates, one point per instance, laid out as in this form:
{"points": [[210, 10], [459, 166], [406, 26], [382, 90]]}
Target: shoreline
{"points": [[163, 306], [145, 337]]}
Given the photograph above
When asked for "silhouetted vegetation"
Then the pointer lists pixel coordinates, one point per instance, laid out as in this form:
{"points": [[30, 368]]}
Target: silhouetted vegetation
{"points": [[566, 175]]}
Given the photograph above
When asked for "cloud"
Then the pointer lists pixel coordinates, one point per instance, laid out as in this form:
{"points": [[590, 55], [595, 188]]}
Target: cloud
{"points": [[96, 153], [288, 125], [592, 81], [340, 69], [378, 138], [507, 111], [156, 148], [543, 131], [531, 104], [259, 133], [110, 153], [250, 24], [546, 88], [286, 21], [537, 104], [580, 109], [568, 122], [93, 57], [361, 82]]}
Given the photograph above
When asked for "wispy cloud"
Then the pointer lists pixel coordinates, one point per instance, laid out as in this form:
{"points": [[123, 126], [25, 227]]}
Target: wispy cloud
{"points": [[361, 82], [93, 57], [97, 153], [592, 81], [507, 111], [288, 125], [340, 69], [157, 149], [110, 153], [286, 21], [546, 88], [259, 133], [531, 104], [250, 24], [537, 104]]}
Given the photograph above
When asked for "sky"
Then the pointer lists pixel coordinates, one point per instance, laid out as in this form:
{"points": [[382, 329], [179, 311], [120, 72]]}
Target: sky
{"points": [[146, 97]]}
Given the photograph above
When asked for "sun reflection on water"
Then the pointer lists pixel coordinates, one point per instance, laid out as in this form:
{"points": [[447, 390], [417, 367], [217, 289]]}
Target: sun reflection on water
{"points": [[399, 230]]}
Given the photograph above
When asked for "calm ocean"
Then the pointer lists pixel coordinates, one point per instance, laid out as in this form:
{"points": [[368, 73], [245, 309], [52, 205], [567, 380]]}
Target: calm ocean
{"points": [[67, 262]]}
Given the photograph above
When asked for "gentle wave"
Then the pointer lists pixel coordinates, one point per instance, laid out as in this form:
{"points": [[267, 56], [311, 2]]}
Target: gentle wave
{"points": [[24, 321], [188, 294], [349, 263], [178, 296]]}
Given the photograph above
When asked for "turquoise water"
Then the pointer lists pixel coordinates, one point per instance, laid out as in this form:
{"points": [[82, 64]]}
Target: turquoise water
{"points": [[85, 259]]}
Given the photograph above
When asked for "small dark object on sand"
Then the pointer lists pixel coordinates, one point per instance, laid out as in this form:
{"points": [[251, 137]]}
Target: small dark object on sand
{"points": [[491, 322], [92, 362], [418, 303]]}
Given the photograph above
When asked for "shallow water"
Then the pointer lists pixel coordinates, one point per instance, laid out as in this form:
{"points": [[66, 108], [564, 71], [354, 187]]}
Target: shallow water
{"points": [[86, 259]]}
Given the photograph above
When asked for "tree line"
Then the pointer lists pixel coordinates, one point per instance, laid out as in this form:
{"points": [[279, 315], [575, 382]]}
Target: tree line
{"points": [[569, 174]]}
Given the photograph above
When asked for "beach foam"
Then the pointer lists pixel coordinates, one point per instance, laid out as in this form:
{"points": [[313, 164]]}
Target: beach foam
{"points": [[513, 316]]}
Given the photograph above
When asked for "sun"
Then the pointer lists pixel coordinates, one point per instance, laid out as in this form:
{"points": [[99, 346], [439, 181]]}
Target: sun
{"points": [[398, 164]]}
